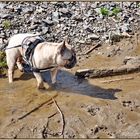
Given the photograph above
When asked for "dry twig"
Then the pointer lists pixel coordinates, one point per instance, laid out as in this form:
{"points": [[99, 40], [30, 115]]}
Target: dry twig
{"points": [[46, 130], [62, 117], [114, 80], [93, 47]]}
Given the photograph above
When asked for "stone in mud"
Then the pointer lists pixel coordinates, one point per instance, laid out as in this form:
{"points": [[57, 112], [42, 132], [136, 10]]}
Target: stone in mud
{"points": [[129, 60]]}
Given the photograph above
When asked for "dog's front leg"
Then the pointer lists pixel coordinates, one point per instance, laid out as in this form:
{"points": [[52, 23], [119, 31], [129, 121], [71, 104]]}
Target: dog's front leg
{"points": [[39, 79], [53, 75]]}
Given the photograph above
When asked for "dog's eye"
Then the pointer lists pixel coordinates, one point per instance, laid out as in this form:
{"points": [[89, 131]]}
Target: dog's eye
{"points": [[71, 58]]}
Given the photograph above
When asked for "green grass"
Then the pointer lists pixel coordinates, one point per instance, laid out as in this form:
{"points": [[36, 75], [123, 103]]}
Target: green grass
{"points": [[115, 11], [2, 59], [104, 11], [6, 24], [3, 64]]}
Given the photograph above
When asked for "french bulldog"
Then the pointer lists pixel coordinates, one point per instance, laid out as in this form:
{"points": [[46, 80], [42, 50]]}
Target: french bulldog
{"points": [[46, 54]]}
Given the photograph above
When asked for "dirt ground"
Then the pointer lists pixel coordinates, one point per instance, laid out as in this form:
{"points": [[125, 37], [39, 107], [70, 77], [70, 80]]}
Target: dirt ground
{"points": [[92, 108]]}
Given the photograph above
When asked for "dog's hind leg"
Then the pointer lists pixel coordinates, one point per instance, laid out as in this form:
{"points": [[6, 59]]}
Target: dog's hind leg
{"points": [[11, 63], [39, 79], [19, 63]]}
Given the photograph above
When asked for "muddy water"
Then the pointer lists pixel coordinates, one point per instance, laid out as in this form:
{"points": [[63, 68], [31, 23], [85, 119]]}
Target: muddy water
{"points": [[93, 108]]}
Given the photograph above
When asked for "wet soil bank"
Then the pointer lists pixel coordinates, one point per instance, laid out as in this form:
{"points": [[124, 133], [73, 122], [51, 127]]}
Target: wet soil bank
{"points": [[92, 108]]}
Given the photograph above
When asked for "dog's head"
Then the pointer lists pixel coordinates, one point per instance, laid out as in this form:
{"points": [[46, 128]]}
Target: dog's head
{"points": [[66, 55]]}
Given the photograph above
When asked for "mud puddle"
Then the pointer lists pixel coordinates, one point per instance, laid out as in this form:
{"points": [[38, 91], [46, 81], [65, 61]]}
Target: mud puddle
{"points": [[91, 108]]}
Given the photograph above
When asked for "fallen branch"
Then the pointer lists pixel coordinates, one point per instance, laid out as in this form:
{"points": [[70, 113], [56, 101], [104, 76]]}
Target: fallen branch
{"points": [[93, 47], [98, 73], [62, 117], [114, 80]]}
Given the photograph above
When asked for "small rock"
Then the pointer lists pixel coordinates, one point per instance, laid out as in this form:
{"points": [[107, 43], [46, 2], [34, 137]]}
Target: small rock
{"points": [[65, 13], [33, 27], [47, 22], [28, 10], [7, 16], [93, 36], [45, 30], [2, 5], [55, 14], [125, 28], [15, 31]]}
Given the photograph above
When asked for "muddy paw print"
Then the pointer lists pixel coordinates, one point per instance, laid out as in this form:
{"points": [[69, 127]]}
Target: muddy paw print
{"points": [[120, 117], [129, 104], [102, 132], [99, 128], [93, 110]]}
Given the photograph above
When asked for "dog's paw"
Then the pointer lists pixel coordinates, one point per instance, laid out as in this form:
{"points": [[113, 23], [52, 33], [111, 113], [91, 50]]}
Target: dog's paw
{"points": [[41, 88], [54, 85], [21, 70]]}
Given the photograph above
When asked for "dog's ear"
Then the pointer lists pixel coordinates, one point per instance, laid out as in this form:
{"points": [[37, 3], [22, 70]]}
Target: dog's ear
{"points": [[62, 47], [66, 40]]}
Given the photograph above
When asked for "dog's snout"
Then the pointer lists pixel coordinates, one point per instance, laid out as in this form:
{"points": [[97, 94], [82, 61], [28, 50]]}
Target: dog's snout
{"points": [[72, 62]]}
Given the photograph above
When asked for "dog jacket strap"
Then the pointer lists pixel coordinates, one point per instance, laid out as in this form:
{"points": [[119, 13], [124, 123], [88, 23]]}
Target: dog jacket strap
{"points": [[30, 49], [43, 69], [29, 53]]}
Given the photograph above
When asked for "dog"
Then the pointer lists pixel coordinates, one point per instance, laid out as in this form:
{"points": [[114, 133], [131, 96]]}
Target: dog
{"points": [[45, 55]]}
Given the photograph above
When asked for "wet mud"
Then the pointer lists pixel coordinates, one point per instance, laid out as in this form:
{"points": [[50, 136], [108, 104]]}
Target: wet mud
{"points": [[92, 108]]}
